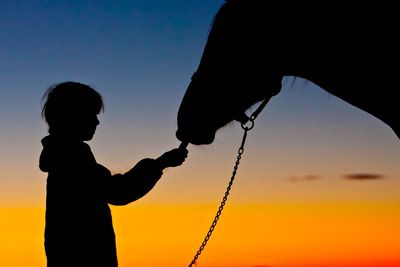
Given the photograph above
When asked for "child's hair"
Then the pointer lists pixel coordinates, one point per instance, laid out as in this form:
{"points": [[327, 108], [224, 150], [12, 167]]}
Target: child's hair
{"points": [[68, 100]]}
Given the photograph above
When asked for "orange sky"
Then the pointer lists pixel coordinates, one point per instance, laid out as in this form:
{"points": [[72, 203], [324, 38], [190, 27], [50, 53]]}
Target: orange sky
{"points": [[150, 235]]}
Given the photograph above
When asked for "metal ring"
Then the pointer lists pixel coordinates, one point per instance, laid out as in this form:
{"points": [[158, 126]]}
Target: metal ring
{"points": [[248, 128]]}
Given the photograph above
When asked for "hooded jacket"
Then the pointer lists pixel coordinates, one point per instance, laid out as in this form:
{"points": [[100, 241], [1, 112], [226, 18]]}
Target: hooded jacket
{"points": [[79, 230]]}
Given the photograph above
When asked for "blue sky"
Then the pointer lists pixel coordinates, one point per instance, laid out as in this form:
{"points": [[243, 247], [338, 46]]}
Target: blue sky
{"points": [[121, 44]]}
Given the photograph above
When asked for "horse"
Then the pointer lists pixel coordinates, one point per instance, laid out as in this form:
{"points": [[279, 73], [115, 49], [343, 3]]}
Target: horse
{"points": [[348, 49]]}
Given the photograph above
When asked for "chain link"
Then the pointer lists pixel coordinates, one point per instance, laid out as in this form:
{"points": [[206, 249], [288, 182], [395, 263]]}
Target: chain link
{"points": [[228, 189]]}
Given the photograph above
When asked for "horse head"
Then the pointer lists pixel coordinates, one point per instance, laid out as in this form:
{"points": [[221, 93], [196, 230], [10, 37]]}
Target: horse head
{"points": [[226, 83]]}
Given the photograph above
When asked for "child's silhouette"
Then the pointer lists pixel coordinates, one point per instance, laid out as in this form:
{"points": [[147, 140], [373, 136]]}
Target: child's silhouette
{"points": [[79, 230]]}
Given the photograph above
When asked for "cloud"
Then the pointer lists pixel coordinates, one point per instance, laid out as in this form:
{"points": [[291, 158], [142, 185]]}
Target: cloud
{"points": [[364, 176], [310, 177]]}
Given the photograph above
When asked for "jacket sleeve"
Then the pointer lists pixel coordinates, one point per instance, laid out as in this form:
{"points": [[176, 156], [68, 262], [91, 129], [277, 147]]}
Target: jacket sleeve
{"points": [[122, 189]]}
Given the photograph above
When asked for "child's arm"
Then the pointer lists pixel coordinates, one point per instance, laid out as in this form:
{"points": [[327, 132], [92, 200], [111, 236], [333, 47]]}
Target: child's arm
{"points": [[172, 158], [137, 182]]}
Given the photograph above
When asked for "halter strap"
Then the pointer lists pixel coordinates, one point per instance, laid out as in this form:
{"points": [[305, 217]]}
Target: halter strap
{"points": [[243, 118]]}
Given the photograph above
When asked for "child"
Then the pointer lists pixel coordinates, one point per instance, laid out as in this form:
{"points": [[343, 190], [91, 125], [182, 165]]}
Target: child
{"points": [[79, 230]]}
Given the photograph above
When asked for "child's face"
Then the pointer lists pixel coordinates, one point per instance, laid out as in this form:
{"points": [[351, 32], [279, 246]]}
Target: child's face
{"points": [[86, 126]]}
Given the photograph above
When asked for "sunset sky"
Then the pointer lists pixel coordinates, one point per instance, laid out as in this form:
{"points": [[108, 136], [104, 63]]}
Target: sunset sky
{"points": [[319, 184]]}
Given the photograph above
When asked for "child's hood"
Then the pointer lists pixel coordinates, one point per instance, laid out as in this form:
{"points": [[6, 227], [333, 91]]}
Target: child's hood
{"points": [[57, 151]]}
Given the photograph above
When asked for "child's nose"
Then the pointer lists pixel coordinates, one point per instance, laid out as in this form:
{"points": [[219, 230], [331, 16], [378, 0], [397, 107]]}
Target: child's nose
{"points": [[97, 121]]}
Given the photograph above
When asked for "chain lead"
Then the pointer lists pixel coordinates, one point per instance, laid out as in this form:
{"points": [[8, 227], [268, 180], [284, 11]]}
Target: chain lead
{"points": [[246, 128], [225, 198]]}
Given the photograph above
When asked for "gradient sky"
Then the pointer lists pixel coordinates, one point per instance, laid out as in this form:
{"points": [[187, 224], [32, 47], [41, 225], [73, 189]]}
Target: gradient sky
{"points": [[299, 199]]}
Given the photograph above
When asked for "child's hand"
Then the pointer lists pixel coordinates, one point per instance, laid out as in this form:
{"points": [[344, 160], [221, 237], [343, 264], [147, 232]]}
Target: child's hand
{"points": [[172, 158]]}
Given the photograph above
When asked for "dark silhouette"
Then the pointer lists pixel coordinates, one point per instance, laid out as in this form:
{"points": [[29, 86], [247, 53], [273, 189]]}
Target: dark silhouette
{"points": [[79, 230], [349, 49]]}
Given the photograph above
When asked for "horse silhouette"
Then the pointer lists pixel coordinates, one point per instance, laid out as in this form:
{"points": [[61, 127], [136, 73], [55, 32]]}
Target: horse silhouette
{"points": [[348, 49]]}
